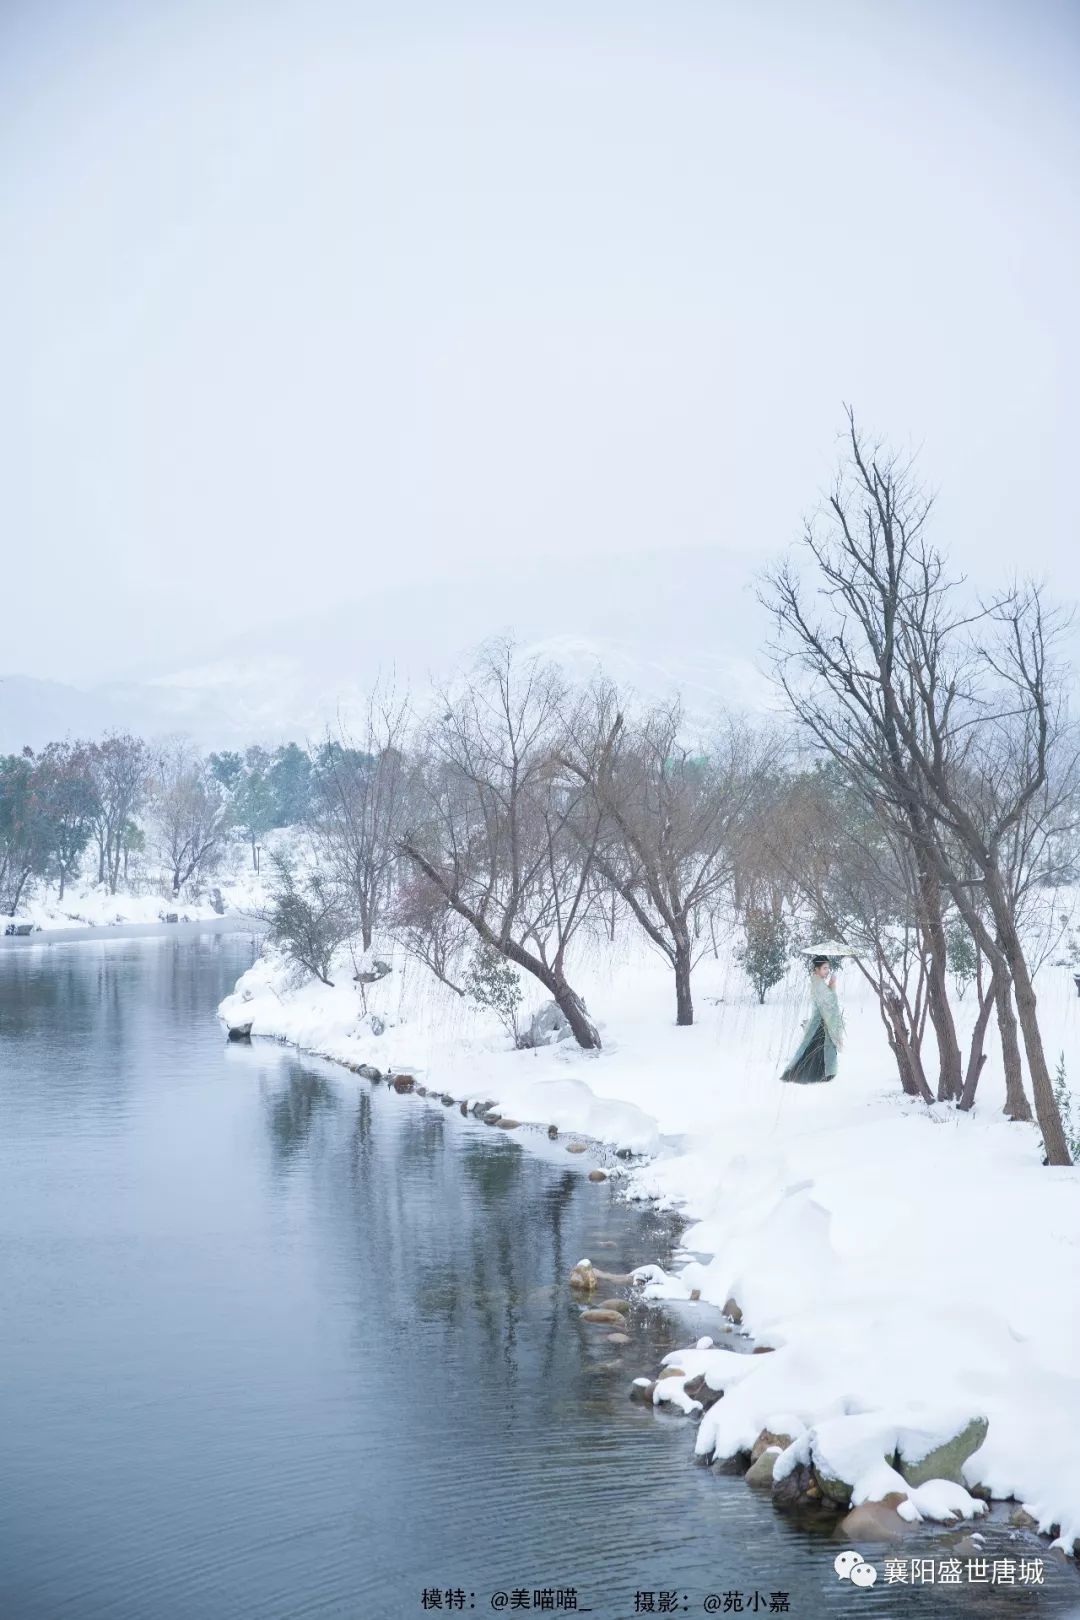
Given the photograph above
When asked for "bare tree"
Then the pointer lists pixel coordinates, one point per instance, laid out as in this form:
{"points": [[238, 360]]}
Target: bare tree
{"points": [[120, 771], [430, 929], [946, 715], [671, 818], [192, 810], [851, 867], [362, 789], [495, 829], [1000, 773]]}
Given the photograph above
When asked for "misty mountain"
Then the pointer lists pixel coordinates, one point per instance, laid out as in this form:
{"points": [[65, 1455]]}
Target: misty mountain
{"points": [[685, 619]]}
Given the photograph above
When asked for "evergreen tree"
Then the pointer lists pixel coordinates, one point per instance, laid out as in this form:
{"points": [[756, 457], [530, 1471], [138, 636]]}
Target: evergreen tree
{"points": [[491, 981], [289, 783], [766, 949]]}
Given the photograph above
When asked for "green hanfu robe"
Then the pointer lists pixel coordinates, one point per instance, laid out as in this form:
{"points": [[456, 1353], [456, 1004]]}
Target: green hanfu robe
{"points": [[822, 1039]]}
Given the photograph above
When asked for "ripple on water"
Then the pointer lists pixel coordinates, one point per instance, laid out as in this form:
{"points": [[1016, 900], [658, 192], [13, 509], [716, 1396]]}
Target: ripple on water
{"points": [[278, 1344]]}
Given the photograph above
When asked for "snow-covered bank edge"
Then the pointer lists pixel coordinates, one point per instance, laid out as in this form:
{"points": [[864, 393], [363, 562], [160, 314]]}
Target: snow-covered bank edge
{"points": [[909, 1269], [183, 928], [235, 892]]}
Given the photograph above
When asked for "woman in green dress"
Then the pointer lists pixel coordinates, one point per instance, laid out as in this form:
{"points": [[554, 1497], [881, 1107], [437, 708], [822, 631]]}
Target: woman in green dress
{"points": [[823, 1036]]}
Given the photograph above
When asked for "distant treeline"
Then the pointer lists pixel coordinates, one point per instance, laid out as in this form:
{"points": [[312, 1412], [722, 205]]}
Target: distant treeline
{"points": [[102, 807]]}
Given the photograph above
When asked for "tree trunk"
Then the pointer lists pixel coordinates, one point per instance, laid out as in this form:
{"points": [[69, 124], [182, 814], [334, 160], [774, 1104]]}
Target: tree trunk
{"points": [[1016, 1103], [18, 893], [1017, 1106], [114, 868], [1042, 1086], [937, 991], [908, 1059], [63, 874], [908, 1082], [573, 1008], [552, 978], [683, 1000], [976, 1056]]}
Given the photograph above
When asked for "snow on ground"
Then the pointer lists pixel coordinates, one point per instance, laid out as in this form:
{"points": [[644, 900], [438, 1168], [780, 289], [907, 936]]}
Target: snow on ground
{"points": [[912, 1267], [90, 905]]}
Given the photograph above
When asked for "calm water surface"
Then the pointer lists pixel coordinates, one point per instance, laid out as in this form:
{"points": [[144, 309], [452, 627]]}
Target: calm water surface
{"points": [[277, 1344]]}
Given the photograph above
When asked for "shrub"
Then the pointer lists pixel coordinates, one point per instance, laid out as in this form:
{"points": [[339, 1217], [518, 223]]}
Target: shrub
{"points": [[1065, 1108], [306, 920], [766, 951], [961, 957], [491, 981]]}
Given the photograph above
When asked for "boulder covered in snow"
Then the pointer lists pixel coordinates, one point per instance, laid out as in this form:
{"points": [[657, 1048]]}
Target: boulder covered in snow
{"points": [[548, 1025], [797, 1489], [699, 1389], [832, 1485], [945, 1460], [584, 1277], [769, 1440], [868, 1456]]}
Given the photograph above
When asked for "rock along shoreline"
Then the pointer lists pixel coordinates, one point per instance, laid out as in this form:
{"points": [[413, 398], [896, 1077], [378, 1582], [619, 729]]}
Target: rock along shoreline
{"points": [[918, 1488]]}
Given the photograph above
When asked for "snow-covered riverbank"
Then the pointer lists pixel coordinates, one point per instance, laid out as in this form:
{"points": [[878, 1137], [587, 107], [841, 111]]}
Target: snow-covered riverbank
{"points": [[910, 1267], [90, 905]]}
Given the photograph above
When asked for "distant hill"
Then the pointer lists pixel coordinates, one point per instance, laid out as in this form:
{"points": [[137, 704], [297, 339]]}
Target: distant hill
{"points": [[685, 619]]}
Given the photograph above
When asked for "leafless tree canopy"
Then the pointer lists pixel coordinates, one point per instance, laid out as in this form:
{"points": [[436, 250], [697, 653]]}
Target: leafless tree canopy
{"points": [[361, 803], [120, 771], [500, 828], [670, 817], [945, 712], [193, 812]]}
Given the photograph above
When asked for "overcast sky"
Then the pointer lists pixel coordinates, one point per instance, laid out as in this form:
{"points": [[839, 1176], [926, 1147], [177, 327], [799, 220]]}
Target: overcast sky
{"points": [[305, 298]]}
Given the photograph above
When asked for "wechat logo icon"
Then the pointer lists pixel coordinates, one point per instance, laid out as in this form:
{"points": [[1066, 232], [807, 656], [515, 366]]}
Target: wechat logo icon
{"points": [[851, 1566]]}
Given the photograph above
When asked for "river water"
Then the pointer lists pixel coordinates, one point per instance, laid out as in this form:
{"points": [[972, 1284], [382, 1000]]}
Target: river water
{"points": [[278, 1344]]}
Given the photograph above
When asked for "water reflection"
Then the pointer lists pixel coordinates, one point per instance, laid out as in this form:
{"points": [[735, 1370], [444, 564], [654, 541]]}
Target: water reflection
{"points": [[278, 1343], [293, 1109]]}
